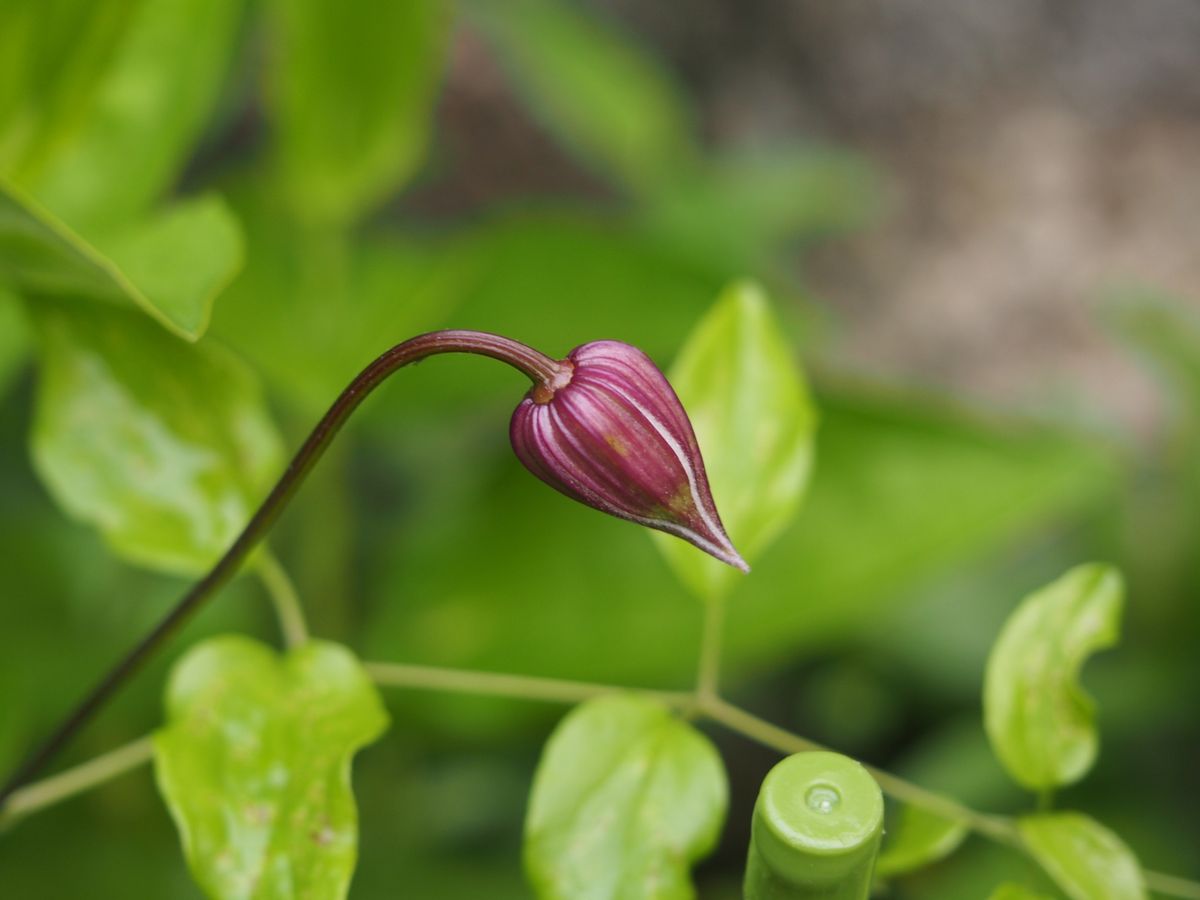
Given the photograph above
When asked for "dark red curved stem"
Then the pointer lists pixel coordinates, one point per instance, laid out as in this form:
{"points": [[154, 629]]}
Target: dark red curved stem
{"points": [[541, 369]]}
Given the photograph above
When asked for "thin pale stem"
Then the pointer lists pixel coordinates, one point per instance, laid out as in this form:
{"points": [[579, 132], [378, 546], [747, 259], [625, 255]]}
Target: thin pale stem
{"points": [[74, 781], [541, 369], [521, 687], [1172, 886], [736, 719], [285, 600], [708, 674], [524, 687]]}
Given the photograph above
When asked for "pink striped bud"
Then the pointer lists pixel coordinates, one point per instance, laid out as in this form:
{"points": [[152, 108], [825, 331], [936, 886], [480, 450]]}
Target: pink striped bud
{"points": [[610, 432]]}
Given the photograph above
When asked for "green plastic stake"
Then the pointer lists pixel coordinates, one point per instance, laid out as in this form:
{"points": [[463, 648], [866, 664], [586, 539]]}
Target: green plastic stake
{"points": [[816, 830]]}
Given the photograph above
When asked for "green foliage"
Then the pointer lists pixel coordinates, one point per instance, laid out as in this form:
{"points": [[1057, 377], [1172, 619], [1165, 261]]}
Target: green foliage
{"points": [[1085, 859], [149, 108], [917, 839], [52, 55], [1039, 720], [254, 762], [117, 117], [740, 208], [1015, 892], [746, 397], [610, 102], [171, 266], [14, 338], [625, 799], [166, 448], [350, 95]]}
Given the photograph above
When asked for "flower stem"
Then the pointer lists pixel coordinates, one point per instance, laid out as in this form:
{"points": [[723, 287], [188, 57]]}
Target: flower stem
{"points": [[709, 670], [541, 369], [521, 687], [81, 778], [737, 719], [91, 774], [285, 600]]}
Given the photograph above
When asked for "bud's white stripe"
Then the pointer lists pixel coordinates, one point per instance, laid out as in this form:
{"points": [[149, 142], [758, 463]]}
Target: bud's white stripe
{"points": [[714, 527]]}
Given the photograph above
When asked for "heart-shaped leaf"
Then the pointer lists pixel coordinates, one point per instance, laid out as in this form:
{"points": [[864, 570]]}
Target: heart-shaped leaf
{"points": [[748, 402], [165, 447], [1039, 720], [1085, 859], [625, 799], [254, 763]]}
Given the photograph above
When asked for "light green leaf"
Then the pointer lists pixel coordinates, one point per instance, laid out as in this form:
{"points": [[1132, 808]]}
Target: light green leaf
{"points": [[171, 266], [150, 107], [1015, 892], [625, 799], [591, 85], [917, 839], [254, 764], [1039, 720], [748, 402], [180, 260], [1085, 859], [351, 94], [166, 448], [52, 56]]}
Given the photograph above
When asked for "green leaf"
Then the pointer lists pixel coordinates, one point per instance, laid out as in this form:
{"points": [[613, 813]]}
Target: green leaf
{"points": [[1039, 720], [747, 399], [625, 799], [740, 208], [254, 764], [1085, 859], [611, 102], [150, 107], [917, 839], [166, 448], [52, 56], [1015, 892], [180, 261], [171, 266], [352, 94]]}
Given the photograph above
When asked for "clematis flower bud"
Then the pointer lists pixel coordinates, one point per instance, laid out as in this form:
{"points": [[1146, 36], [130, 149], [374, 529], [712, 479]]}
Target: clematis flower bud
{"points": [[609, 432]]}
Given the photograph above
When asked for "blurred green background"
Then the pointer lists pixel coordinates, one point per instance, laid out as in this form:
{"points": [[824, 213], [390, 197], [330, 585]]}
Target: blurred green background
{"points": [[982, 254]]}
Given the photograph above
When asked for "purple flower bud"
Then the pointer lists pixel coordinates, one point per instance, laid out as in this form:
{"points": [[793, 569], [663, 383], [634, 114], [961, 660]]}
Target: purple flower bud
{"points": [[610, 432]]}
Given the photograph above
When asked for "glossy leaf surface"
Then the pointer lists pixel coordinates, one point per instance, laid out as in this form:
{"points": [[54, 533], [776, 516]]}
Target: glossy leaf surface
{"points": [[1039, 720], [1085, 859], [351, 93], [254, 763], [165, 447], [171, 265], [748, 402], [626, 798]]}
